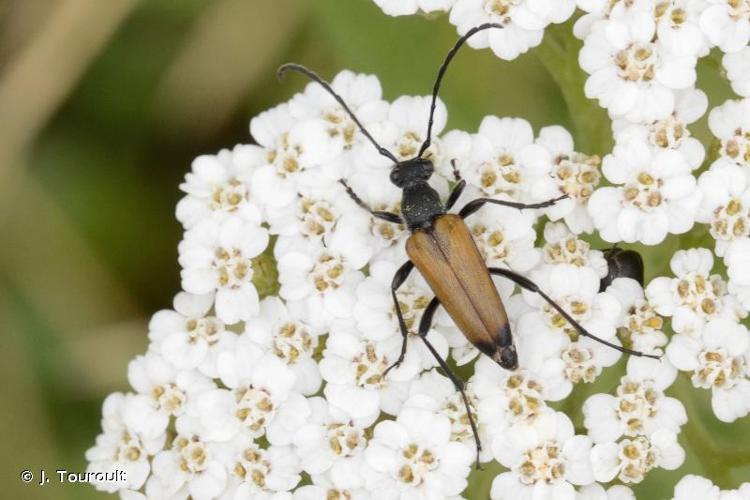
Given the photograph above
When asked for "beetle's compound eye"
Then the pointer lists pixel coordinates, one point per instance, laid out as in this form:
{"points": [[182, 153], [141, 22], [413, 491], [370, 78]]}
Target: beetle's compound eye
{"points": [[427, 169], [397, 176], [507, 357]]}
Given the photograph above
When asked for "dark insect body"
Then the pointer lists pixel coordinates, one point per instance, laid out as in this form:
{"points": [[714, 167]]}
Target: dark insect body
{"points": [[444, 252], [622, 263]]}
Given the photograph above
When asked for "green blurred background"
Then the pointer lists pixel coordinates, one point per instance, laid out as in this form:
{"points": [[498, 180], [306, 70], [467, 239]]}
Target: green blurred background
{"points": [[103, 104]]}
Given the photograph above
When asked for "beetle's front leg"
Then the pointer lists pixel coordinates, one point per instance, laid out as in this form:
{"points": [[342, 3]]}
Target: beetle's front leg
{"points": [[398, 279], [457, 189], [380, 214], [475, 205], [529, 285]]}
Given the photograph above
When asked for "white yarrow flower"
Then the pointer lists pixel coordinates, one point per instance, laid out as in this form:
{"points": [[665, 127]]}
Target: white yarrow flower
{"points": [[119, 448], [292, 341], [564, 247], [631, 459], [163, 392], [730, 123], [639, 406], [354, 368], [726, 203], [727, 24], [692, 487], [188, 337], [631, 75], [219, 186], [258, 399], [320, 280], [413, 457], [218, 258], [190, 465], [695, 295], [255, 472], [330, 443], [737, 66], [655, 195], [572, 173], [737, 260], [503, 159], [671, 132], [640, 326], [576, 290], [238, 398], [294, 153], [523, 22], [544, 458], [406, 7], [678, 27], [719, 361]]}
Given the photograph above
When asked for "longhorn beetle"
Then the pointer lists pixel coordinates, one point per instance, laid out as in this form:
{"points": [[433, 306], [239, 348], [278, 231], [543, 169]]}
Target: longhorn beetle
{"points": [[442, 249]]}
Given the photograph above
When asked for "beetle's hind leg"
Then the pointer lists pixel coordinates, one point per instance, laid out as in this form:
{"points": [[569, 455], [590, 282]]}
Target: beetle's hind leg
{"points": [[526, 283], [424, 326], [380, 214], [475, 205]]}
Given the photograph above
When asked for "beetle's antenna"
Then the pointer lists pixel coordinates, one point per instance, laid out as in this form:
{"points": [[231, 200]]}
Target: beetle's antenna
{"points": [[441, 73], [314, 77]]}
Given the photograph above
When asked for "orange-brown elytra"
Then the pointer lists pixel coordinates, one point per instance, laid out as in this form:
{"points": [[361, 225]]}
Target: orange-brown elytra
{"points": [[442, 249], [447, 257]]}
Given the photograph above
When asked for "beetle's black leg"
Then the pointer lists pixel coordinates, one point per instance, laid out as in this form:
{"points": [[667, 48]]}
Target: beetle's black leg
{"points": [[387, 216], [429, 312], [457, 382], [526, 283], [475, 205], [425, 324], [457, 189], [456, 174], [398, 280]]}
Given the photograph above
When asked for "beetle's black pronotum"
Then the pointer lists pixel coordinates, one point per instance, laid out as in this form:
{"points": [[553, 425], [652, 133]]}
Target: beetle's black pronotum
{"points": [[622, 263], [442, 249]]}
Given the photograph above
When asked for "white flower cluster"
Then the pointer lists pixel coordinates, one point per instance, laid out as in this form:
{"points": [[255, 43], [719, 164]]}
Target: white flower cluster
{"points": [[709, 341], [239, 397], [693, 487], [636, 430], [641, 57], [523, 21], [288, 397]]}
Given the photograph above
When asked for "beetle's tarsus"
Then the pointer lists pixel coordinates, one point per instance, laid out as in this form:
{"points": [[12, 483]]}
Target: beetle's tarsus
{"points": [[393, 366]]}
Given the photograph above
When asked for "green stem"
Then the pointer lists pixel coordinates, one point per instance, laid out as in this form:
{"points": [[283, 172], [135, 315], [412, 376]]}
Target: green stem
{"points": [[559, 55], [717, 461]]}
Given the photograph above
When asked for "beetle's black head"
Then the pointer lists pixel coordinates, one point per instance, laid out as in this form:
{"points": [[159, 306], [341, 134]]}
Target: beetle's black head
{"points": [[411, 171], [507, 357]]}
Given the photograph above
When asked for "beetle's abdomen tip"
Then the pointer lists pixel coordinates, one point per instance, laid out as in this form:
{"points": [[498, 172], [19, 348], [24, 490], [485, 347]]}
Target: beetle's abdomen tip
{"points": [[506, 357]]}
